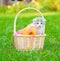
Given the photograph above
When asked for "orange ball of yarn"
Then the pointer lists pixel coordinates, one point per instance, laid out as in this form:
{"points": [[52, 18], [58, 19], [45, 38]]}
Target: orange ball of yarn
{"points": [[29, 31]]}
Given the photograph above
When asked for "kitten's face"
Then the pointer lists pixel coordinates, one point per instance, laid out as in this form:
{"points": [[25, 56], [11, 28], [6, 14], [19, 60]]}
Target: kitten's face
{"points": [[39, 22]]}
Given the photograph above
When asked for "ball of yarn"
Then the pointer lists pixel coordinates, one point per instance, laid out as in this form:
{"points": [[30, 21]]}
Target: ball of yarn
{"points": [[29, 31]]}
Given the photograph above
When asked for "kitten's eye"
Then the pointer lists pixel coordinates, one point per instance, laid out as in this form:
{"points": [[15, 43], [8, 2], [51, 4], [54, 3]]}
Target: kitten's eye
{"points": [[41, 23], [37, 23]]}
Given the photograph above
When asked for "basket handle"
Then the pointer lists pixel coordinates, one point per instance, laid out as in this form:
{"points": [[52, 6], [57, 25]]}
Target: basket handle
{"points": [[21, 12]]}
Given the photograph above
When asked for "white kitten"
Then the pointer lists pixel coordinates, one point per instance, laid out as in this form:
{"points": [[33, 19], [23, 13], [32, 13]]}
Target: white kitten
{"points": [[39, 24]]}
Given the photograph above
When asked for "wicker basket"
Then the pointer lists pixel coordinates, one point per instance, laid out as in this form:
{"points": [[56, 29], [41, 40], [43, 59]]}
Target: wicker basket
{"points": [[24, 42]]}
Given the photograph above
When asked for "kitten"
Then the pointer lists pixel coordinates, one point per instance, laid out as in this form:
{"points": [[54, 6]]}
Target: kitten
{"points": [[39, 24]]}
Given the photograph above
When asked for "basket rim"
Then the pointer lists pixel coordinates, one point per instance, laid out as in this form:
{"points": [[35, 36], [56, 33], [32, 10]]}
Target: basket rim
{"points": [[32, 35]]}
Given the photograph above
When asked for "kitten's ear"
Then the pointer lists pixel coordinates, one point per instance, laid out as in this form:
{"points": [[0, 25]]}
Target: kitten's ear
{"points": [[35, 19]]}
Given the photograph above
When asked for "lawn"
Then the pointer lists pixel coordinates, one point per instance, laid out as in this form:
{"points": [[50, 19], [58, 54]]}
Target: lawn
{"points": [[51, 50]]}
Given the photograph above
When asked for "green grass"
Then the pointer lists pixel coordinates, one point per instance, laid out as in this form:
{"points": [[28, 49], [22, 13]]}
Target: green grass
{"points": [[51, 50]]}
